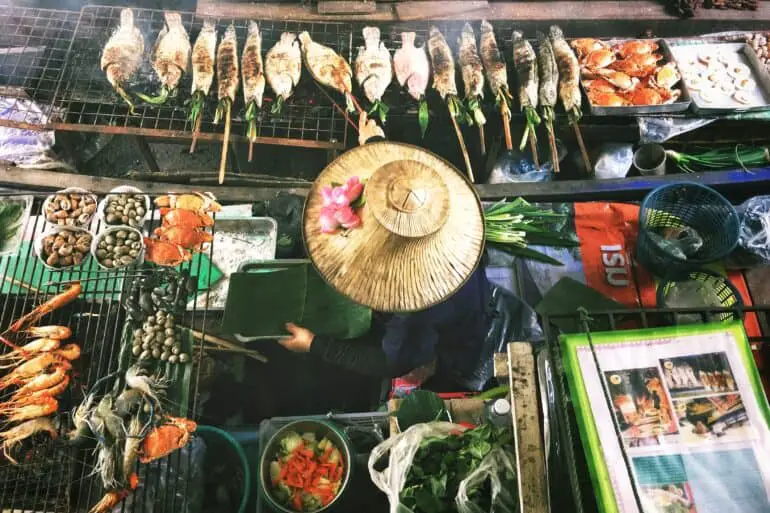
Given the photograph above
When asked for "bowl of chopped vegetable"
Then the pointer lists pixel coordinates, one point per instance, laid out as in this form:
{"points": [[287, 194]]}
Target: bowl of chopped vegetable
{"points": [[305, 466]]}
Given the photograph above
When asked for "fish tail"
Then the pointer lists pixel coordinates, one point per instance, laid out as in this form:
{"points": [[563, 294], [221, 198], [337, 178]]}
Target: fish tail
{"points": [[126, 17], [371, 36], [173, 19], [486, 26], [253, 28], [407, 39], [288, 37]]}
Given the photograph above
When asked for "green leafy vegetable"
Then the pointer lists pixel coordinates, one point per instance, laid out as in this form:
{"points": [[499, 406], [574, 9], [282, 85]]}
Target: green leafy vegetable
{"points": [[721, 158], [380, 109], [423, 116], [156, 100], [277, 105], [11, 213], [420, 406]]}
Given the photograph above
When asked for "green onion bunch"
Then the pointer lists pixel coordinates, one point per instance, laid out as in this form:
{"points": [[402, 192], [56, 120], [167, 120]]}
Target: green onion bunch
{"points": [[721, 158]]}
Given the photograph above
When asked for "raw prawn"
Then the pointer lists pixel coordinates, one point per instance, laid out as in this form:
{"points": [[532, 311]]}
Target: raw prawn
{"points": [[131, 447], [185, 218], [54, 332], [17, 434], [112, 422], [106, 465], [40, 408], [147, 385], [165, 439], [80, 420], [49, 306], [27, 351], [115, 497]]}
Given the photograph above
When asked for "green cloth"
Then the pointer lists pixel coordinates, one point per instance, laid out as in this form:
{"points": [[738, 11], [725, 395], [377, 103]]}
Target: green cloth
{"points": [[263, 296], [564, 299]]}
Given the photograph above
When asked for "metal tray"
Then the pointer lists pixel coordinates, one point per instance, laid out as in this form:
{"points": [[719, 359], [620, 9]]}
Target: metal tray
{"points": [[760, 94], [680, 105]]}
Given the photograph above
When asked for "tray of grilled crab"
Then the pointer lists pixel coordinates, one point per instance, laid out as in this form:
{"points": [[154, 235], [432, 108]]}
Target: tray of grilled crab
{"points": [[630, 77], [723, 77]]}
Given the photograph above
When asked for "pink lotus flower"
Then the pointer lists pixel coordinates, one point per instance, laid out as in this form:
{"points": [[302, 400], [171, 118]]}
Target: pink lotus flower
{"points": [[347, 217], [338, 197], [327, 218], [326, 196], [353, 189]]}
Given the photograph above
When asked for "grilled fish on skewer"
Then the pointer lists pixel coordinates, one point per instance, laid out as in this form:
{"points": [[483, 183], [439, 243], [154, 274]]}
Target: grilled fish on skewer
{"points": [[569, 85], [253, 80], [497, 77], [227, 87], [170, 57], [328, 68], [473, 78], [548, 92], [203, 57], [283, 68], [525, 62], [412, 69], [374, 70], [122, 55]]}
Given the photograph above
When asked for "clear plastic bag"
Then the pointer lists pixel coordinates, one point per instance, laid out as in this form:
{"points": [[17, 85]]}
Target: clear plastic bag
{"points": [[754, 234], [499, 468], [402, 449]]}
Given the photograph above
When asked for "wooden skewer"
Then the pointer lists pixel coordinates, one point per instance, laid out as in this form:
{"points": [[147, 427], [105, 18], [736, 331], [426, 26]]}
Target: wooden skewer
{"points": [[21, 284], [334, 104], [355, 103], [582, 145], [251, 150], [554, 149], [463, 148], [481, 138], [196, 131], [225, 344], [507, 128], [225, 143], [533, 148]]}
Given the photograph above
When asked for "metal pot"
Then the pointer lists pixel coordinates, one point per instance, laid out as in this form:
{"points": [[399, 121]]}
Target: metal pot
{"points": [[322, 429]]}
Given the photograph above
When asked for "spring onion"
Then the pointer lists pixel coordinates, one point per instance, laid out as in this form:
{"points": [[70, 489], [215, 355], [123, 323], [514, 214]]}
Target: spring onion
{"points": [[514, 226], [721, 158]]}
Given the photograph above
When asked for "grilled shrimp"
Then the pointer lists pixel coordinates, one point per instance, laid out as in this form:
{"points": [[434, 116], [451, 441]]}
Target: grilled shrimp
{"points": [[29, 350], [69, 352], [58, 301], [14, 436], [42, 407], [43, 381], [54, 332], [29, 369], [112, 498], [21, 399]]}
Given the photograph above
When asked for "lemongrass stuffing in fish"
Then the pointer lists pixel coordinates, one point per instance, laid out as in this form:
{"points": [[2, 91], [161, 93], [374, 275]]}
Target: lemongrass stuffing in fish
{"points": [[374, 71], [170, 57], [203, 57], [328, 68], [525, 62], [472, 73], [443, 67], [253, 78], [412, 69], [283, 69], [122, 55]]}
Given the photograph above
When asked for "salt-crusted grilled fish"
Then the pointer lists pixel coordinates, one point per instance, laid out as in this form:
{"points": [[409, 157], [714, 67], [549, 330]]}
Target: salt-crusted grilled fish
{"points": [[374, 70], [327, 67], [251, 67], [548, 91], [525, 62], [283, 68], [569, 73], [494, 63], [412, 69], [122, 55], [472, 73], [203, 57], [442, 63], [170, 57], [227, 66]]}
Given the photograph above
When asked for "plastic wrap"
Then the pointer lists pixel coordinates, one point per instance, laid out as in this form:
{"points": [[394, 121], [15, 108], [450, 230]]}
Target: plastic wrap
{"points": [[499, 469], [614, 161], [754, 233], [658, 129], [402, 449], [173, 484], [517, 166]]}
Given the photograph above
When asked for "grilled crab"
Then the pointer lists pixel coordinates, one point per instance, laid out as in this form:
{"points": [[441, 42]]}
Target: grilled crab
{"points": [[167, 438], [636, 47]]}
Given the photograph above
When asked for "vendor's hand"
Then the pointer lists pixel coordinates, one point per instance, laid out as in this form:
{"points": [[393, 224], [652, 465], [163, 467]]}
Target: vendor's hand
{"points": [[300, 339], [368, 128]]}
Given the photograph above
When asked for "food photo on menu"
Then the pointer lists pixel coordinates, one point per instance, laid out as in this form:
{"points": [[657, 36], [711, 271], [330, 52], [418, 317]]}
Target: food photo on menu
{"points": [[669, 498], [641, 406], [720, 417], [698, 375]]}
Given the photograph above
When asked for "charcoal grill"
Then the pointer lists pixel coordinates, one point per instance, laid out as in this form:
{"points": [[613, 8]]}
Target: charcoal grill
{"points": [[52, 476]]}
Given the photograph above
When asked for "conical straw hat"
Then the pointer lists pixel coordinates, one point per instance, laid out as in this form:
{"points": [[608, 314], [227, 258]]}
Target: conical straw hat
{"points": [[422, 231]]}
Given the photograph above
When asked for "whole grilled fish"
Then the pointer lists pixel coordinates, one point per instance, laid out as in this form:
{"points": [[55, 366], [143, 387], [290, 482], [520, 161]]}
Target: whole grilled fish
{"points": [[373, 66], [203, 57], [283, 68], [227, 65], [470, 63], [251, 67], [442, 63], [171, 52], [122, 55], [549, 72], [412, 66], [493, 60], [525, 62], [569, 71], [326, 66]]}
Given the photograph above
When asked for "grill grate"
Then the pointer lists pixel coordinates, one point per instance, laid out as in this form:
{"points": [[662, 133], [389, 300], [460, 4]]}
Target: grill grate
{"points": [[308, 118], [33, 48], [53, 476]]}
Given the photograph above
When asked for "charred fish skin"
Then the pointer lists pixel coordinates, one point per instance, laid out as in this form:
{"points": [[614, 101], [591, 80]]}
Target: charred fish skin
{"points": [[171, 53], [327, 67], [122, 55], [251, 67], [569, 71], [373, 65], [203, 57], [525, 62], [442, 63], [548, 70], [227, 65], [493, 61], [283, 65], [471, 68]]}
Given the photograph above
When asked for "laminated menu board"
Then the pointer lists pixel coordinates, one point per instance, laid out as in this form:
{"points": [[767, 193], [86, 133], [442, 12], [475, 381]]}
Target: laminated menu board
{"points": [[688, 405]]}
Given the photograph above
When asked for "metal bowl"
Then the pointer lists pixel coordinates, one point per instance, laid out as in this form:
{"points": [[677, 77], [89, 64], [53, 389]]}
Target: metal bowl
{"points": [[322, 429]]}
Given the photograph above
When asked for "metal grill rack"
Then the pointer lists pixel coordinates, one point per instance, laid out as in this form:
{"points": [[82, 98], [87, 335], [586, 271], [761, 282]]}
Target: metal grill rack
{"points": [[33, 48], [53, 476], [308, 119], [567, 462]]}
